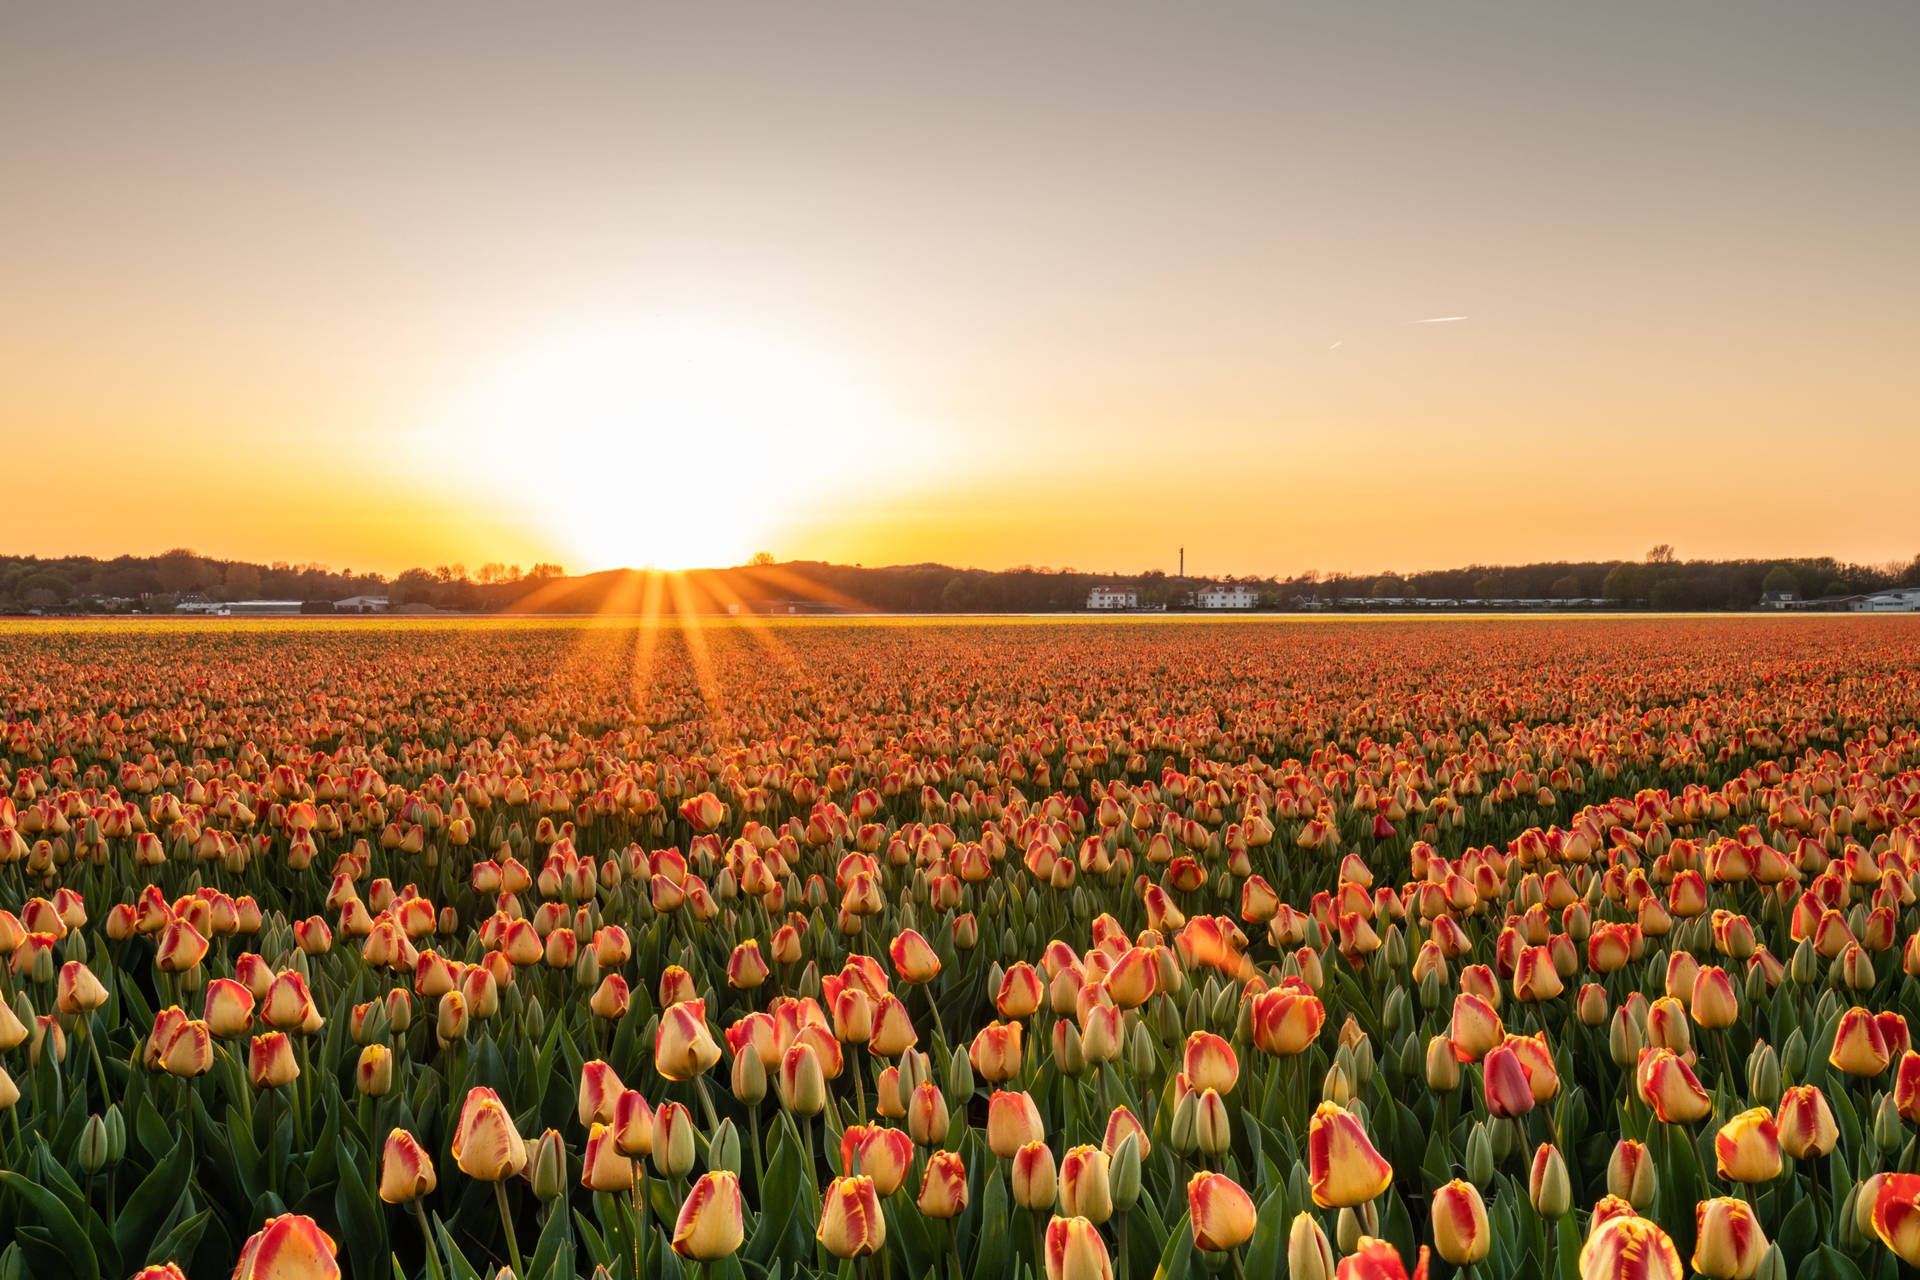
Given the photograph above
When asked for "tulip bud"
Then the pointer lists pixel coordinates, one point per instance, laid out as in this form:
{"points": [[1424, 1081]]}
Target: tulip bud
{"points": [[749, 1077], [1548, 1185], [1763, 1075], [547, 1166], [1309, 1256], [723, 1152], [1460, 1231], [673, 1139], [1630, 1174], [1624, 1039], [959, 1079], [93, 1145], [1443, 1067], [1124, 1173], [1346, 1231], [373, 1076], [1213, 1132], [1479, 1161], [1184, 1134]]}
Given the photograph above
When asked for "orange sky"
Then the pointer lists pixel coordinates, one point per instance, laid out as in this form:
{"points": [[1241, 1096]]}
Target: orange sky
{"points": [[988, 284]]}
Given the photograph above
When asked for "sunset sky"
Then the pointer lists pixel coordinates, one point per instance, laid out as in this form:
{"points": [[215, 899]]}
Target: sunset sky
{"points": [[986, 283]]}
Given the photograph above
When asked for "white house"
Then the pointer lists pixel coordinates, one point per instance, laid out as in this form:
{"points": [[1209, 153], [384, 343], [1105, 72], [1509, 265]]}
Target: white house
{"points": [[1902, 600], [1113, 598], [362, 604], [1227, 597]]}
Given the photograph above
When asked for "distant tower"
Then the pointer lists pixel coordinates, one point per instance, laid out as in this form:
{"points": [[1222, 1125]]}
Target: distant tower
{"points": [[1183, 562]]}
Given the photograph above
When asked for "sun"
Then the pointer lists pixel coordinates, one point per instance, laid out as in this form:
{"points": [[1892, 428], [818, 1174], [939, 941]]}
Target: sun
{"points": [[670, 444]]}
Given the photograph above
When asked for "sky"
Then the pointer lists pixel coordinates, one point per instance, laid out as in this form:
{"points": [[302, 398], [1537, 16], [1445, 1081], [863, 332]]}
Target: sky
{"points": [[1076, 283]]}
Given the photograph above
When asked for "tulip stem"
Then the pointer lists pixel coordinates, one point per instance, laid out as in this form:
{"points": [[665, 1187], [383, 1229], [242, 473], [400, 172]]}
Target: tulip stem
{"points": [[426, 1235], [1240, 1272], [759, 1156], [706, 1103], [506, 1220], [99, 1068]]}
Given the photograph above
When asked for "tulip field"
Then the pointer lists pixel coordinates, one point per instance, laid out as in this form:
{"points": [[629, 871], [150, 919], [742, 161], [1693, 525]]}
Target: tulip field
{"points": [[1568, 949]]}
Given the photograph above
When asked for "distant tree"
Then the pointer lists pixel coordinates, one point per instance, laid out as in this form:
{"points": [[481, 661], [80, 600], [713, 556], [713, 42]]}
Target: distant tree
{"points": [[1838, 588], [1623, 582], [1490, 587], [542, 571], [1780, 578], [1668, 594], [411, 587], [1387, 586], [182, 569], [1566, 588], [1661, 553], [46, 588], [491, 572], [243, 581], [760, 559], [514, 574]]}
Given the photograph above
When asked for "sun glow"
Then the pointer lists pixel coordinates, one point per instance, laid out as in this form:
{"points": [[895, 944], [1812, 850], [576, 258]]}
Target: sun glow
{"points": [[663, 444]]}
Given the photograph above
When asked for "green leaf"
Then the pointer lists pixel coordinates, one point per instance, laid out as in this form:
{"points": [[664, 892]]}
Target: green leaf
{"points": [[1267, 1251], [146, 1209], [77, 1256], [178, 1244]]}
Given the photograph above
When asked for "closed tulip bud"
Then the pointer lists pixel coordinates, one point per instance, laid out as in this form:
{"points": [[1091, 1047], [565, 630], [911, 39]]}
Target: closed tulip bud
{"points": [[943, 1189], [1213, 1132], [1068, 1055], [1074, 1251], [1084, 1187], [373, 1074], [927, 1116], [1623, 1038], [749, 1078], [1548, 1186], [672, 1140], [270, 1061], [1806, 1123], [1889, 1131], [1592, 1005], [406, 1171], [1035, 1180], [803, 1084], [116, 1135], [959, 1080], [1748, 1147], [1183, 1134], [632, 1123], [1220, 1212], [1763, 1075], [1729, 1244], [711, 1225], [851, 1224], [93, 1145], [1309, 1255], [1124, 1171], [1346, 1231], [683, 1046], [1630, 1174], [547, 1166], [1460, 1231], [450, 1021], [1013, 1121], [290, 1246], [599, 1093], [1479, 1155], [1443, 1066]]}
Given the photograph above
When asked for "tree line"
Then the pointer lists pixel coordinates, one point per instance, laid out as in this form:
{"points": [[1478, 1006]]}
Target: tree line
{"points": [[1660, 580]]}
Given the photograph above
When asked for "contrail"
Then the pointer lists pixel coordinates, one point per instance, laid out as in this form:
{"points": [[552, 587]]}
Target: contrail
{"points": [[1336, 346], [1438, 320]]}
